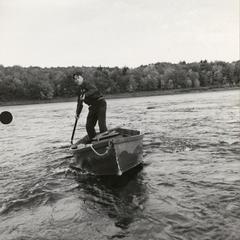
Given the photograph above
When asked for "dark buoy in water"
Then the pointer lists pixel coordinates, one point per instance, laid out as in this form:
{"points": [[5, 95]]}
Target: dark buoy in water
{"points": [[6, 117]]}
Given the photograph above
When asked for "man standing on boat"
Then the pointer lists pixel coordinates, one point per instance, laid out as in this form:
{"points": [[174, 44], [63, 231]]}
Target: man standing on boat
{"points": [[91, 96]]}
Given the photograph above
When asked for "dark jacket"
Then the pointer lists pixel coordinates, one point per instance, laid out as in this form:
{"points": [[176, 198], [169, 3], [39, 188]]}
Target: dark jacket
{"points": [[92, 95]]}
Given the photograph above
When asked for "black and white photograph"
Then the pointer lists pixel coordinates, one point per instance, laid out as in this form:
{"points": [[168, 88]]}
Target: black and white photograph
{"points": [[119, 119]]}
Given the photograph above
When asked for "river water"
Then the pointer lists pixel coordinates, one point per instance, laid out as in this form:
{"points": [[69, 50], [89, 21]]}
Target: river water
{"points": [[187, 188]]}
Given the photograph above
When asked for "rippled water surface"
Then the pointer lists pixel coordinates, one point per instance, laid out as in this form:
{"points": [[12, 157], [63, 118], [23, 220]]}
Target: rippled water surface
{"points": [[188, 187]]}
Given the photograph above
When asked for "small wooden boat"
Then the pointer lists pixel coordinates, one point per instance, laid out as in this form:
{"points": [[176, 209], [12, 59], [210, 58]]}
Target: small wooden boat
{"points": [[110, 153]]}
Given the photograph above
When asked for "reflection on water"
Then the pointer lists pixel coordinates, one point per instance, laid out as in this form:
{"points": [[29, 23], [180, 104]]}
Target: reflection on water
{"points": [[188, 187], [120, 197]]}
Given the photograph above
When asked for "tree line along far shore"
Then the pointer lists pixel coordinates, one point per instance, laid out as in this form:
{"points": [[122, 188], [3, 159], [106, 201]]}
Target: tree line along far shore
{"points": [[36, 83]]}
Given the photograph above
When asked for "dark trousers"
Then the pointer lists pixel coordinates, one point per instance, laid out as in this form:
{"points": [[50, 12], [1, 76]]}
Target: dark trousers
{"points": [[97, 113]]}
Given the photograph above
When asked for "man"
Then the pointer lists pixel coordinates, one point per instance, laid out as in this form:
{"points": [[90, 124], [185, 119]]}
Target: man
{"points": [[90, 95]]}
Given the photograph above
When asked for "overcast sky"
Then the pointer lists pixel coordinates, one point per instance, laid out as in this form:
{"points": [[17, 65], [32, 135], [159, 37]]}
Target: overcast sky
{"points": [[117, 32]]}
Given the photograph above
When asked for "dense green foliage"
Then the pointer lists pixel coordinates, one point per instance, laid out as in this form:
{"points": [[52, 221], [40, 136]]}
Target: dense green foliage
{"points": [[19, 83]]}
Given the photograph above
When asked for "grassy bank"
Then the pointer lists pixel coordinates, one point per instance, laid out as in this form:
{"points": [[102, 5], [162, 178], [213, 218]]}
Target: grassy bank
{"points": [[123, 95]]}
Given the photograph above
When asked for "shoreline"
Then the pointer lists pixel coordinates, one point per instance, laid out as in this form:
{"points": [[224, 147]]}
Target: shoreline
{"points": [[124, 95]]}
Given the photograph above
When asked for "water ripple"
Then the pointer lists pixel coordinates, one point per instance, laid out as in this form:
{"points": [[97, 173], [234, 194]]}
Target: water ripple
{"points": [[187, 188]]}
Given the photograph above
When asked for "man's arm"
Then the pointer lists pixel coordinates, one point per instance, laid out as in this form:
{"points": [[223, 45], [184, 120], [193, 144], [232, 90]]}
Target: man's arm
{"points": [[79, 104]]}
